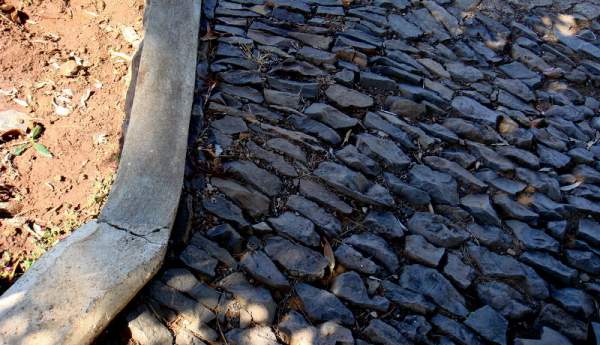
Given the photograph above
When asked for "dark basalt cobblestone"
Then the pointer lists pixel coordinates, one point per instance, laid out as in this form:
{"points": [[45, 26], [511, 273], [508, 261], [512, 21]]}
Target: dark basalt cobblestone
{"points": [[386, 172]]}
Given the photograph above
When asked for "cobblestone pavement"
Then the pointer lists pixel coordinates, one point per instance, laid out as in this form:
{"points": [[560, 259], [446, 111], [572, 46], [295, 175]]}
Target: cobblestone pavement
{"points": [[386, 172]]}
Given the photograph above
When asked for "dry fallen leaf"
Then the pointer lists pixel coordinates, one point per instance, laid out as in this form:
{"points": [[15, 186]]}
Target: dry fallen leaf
{"points": [[571, 186], [328, 252], [209, 36]]}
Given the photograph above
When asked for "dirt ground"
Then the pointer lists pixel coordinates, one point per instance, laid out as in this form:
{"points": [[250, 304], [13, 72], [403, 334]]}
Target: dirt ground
{"points": [[63, 69]]}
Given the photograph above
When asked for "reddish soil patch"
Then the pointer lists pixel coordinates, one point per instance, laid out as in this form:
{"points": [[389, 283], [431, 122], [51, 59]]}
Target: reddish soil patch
{"points": [[67, 69]]}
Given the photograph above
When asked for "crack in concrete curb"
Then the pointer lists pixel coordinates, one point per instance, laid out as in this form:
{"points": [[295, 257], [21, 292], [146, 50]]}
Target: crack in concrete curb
{"points": [[133, 233]]}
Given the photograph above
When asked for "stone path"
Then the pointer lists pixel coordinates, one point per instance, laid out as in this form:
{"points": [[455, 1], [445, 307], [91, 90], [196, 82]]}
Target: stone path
{"points": [[386, 172]]}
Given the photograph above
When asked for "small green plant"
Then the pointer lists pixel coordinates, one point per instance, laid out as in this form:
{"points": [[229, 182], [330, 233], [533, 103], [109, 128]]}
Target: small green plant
{"points": [[99, 194], [33, 142]]}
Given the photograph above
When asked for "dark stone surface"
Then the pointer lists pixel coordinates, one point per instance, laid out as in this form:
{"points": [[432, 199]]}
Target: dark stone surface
{"points": [[436, 229], [322, 219], [471, 109], [225, 209], [385, 224], [442, 188], [227, 236], [481, 209], [455, 170], [380, 332], [199, 260], [555, 317], [405, 191], [489, 324], [353, 259], [321, 127], [490, 236], [414, 328], [574, 301], [403, 28], [263, 269], [299, 261], [354, 159], [330, 116], [532, 238], [431, 283], [384, 151], [375, 247], [547, 264], [345, 97], [505, 267], [274, 160], [460, 273], [455, 330], [321, 305], [589, 230], [257, 302], [548, 337], [506, 300], [418, 249], [583, 260], [321, 194], [513, 209], [257, 177], [407, 299], [353, 184], [376, 122], [350, 287], [250, 200], [296, 228]]}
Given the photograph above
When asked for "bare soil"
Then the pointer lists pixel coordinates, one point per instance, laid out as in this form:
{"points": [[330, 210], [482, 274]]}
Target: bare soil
{"points": [[66, 68]]}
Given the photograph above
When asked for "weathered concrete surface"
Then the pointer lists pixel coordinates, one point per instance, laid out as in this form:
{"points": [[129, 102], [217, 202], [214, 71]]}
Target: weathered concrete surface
{"points": [[74, 290], [146, 192]]}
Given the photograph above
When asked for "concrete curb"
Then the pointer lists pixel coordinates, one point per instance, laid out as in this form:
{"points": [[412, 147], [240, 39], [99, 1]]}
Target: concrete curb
{"points": [[71, 294]]}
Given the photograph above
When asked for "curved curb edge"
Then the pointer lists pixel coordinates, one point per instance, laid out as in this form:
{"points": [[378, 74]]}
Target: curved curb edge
{"points": [[73, 291]]}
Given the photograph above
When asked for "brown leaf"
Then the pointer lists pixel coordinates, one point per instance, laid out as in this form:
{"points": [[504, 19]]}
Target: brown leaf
{"points": [[18, 17], [295, 303], [210, 35], [328, 252]]}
